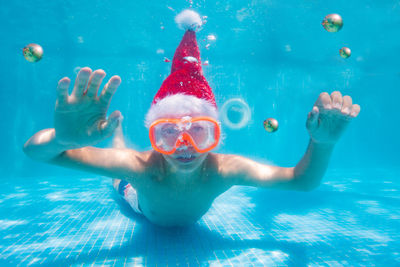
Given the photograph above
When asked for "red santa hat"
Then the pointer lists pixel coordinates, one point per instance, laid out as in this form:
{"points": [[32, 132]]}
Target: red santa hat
{"points": [[185, 91]]}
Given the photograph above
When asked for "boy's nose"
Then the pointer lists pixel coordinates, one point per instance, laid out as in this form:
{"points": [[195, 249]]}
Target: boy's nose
{"points": [[183, 144]]}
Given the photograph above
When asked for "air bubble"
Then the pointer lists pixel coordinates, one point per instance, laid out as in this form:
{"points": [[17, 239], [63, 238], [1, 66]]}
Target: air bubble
{"points": [[235, 113], [77, 69], [211, 37]]}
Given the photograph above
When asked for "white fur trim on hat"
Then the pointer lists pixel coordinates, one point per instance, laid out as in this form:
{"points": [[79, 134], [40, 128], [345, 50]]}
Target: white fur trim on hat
{"points": [[179, 105]]}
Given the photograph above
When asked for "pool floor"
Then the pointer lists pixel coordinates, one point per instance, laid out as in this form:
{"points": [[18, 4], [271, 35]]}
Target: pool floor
{"points": [[351, 219]]}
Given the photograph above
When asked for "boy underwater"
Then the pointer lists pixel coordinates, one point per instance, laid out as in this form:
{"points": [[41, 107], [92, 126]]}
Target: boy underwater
{"points": [[176, 183]]}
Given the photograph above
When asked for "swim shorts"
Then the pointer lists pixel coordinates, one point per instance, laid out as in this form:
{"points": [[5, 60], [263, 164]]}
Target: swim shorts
{"points": [[129, 194]]}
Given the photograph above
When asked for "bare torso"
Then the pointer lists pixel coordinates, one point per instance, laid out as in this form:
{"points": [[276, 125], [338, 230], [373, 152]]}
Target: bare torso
{"points": [[170, 199]]}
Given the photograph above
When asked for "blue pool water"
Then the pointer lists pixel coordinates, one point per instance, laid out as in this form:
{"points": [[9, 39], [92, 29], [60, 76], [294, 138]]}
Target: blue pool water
{"points": [[273, 55], [351, 220]]}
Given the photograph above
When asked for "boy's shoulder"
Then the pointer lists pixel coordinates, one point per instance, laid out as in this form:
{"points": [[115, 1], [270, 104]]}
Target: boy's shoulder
{"points": [[218, 164], [150, 158]]}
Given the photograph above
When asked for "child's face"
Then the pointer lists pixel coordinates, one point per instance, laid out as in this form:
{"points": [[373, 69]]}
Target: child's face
{"points": [[184, 140]]}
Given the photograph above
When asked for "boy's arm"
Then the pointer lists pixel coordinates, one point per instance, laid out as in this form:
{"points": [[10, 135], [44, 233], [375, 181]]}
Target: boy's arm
{"points": [[113, 162], [304, 177], [118, 163], [325, 124]]}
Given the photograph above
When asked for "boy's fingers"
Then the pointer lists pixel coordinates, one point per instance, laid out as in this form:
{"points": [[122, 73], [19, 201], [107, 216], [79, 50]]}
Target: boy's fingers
{"points": [[62, 90], [94, 82], [107, 127], [337, 100], [81, 82], [109, 89], [347, 103], [312, 119], [355, 110], [323, 102]]}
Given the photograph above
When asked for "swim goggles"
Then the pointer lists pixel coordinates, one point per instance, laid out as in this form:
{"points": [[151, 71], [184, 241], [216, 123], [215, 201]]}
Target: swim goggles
{"points": [[166, 135]]}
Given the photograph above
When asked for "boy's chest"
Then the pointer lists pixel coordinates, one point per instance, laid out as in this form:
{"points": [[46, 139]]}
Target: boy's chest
{"points": [[171, 203]]}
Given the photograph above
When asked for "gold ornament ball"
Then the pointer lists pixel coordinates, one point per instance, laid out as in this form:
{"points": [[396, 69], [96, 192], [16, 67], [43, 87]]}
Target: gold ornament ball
{"points": [[271, 125], [33, 52], [345, 52], [332, 22]]}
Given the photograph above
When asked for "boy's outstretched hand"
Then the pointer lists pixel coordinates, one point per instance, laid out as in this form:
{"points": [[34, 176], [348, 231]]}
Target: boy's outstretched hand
{"points": [[80, 118], [330, 116]]}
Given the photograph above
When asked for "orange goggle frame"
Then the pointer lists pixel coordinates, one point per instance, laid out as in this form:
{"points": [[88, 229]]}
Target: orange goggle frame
{"points": [[183, 137]]}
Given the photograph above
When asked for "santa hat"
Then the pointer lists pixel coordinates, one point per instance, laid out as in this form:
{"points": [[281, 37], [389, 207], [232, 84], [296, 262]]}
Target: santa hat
{"points": [[185, 91]]}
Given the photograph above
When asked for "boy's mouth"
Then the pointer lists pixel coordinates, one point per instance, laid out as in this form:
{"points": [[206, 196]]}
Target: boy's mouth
{"points": [[185, 158]]}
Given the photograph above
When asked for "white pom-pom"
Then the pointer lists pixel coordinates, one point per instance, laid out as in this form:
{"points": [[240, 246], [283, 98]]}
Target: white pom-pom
{"points": [[188, 20]]}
